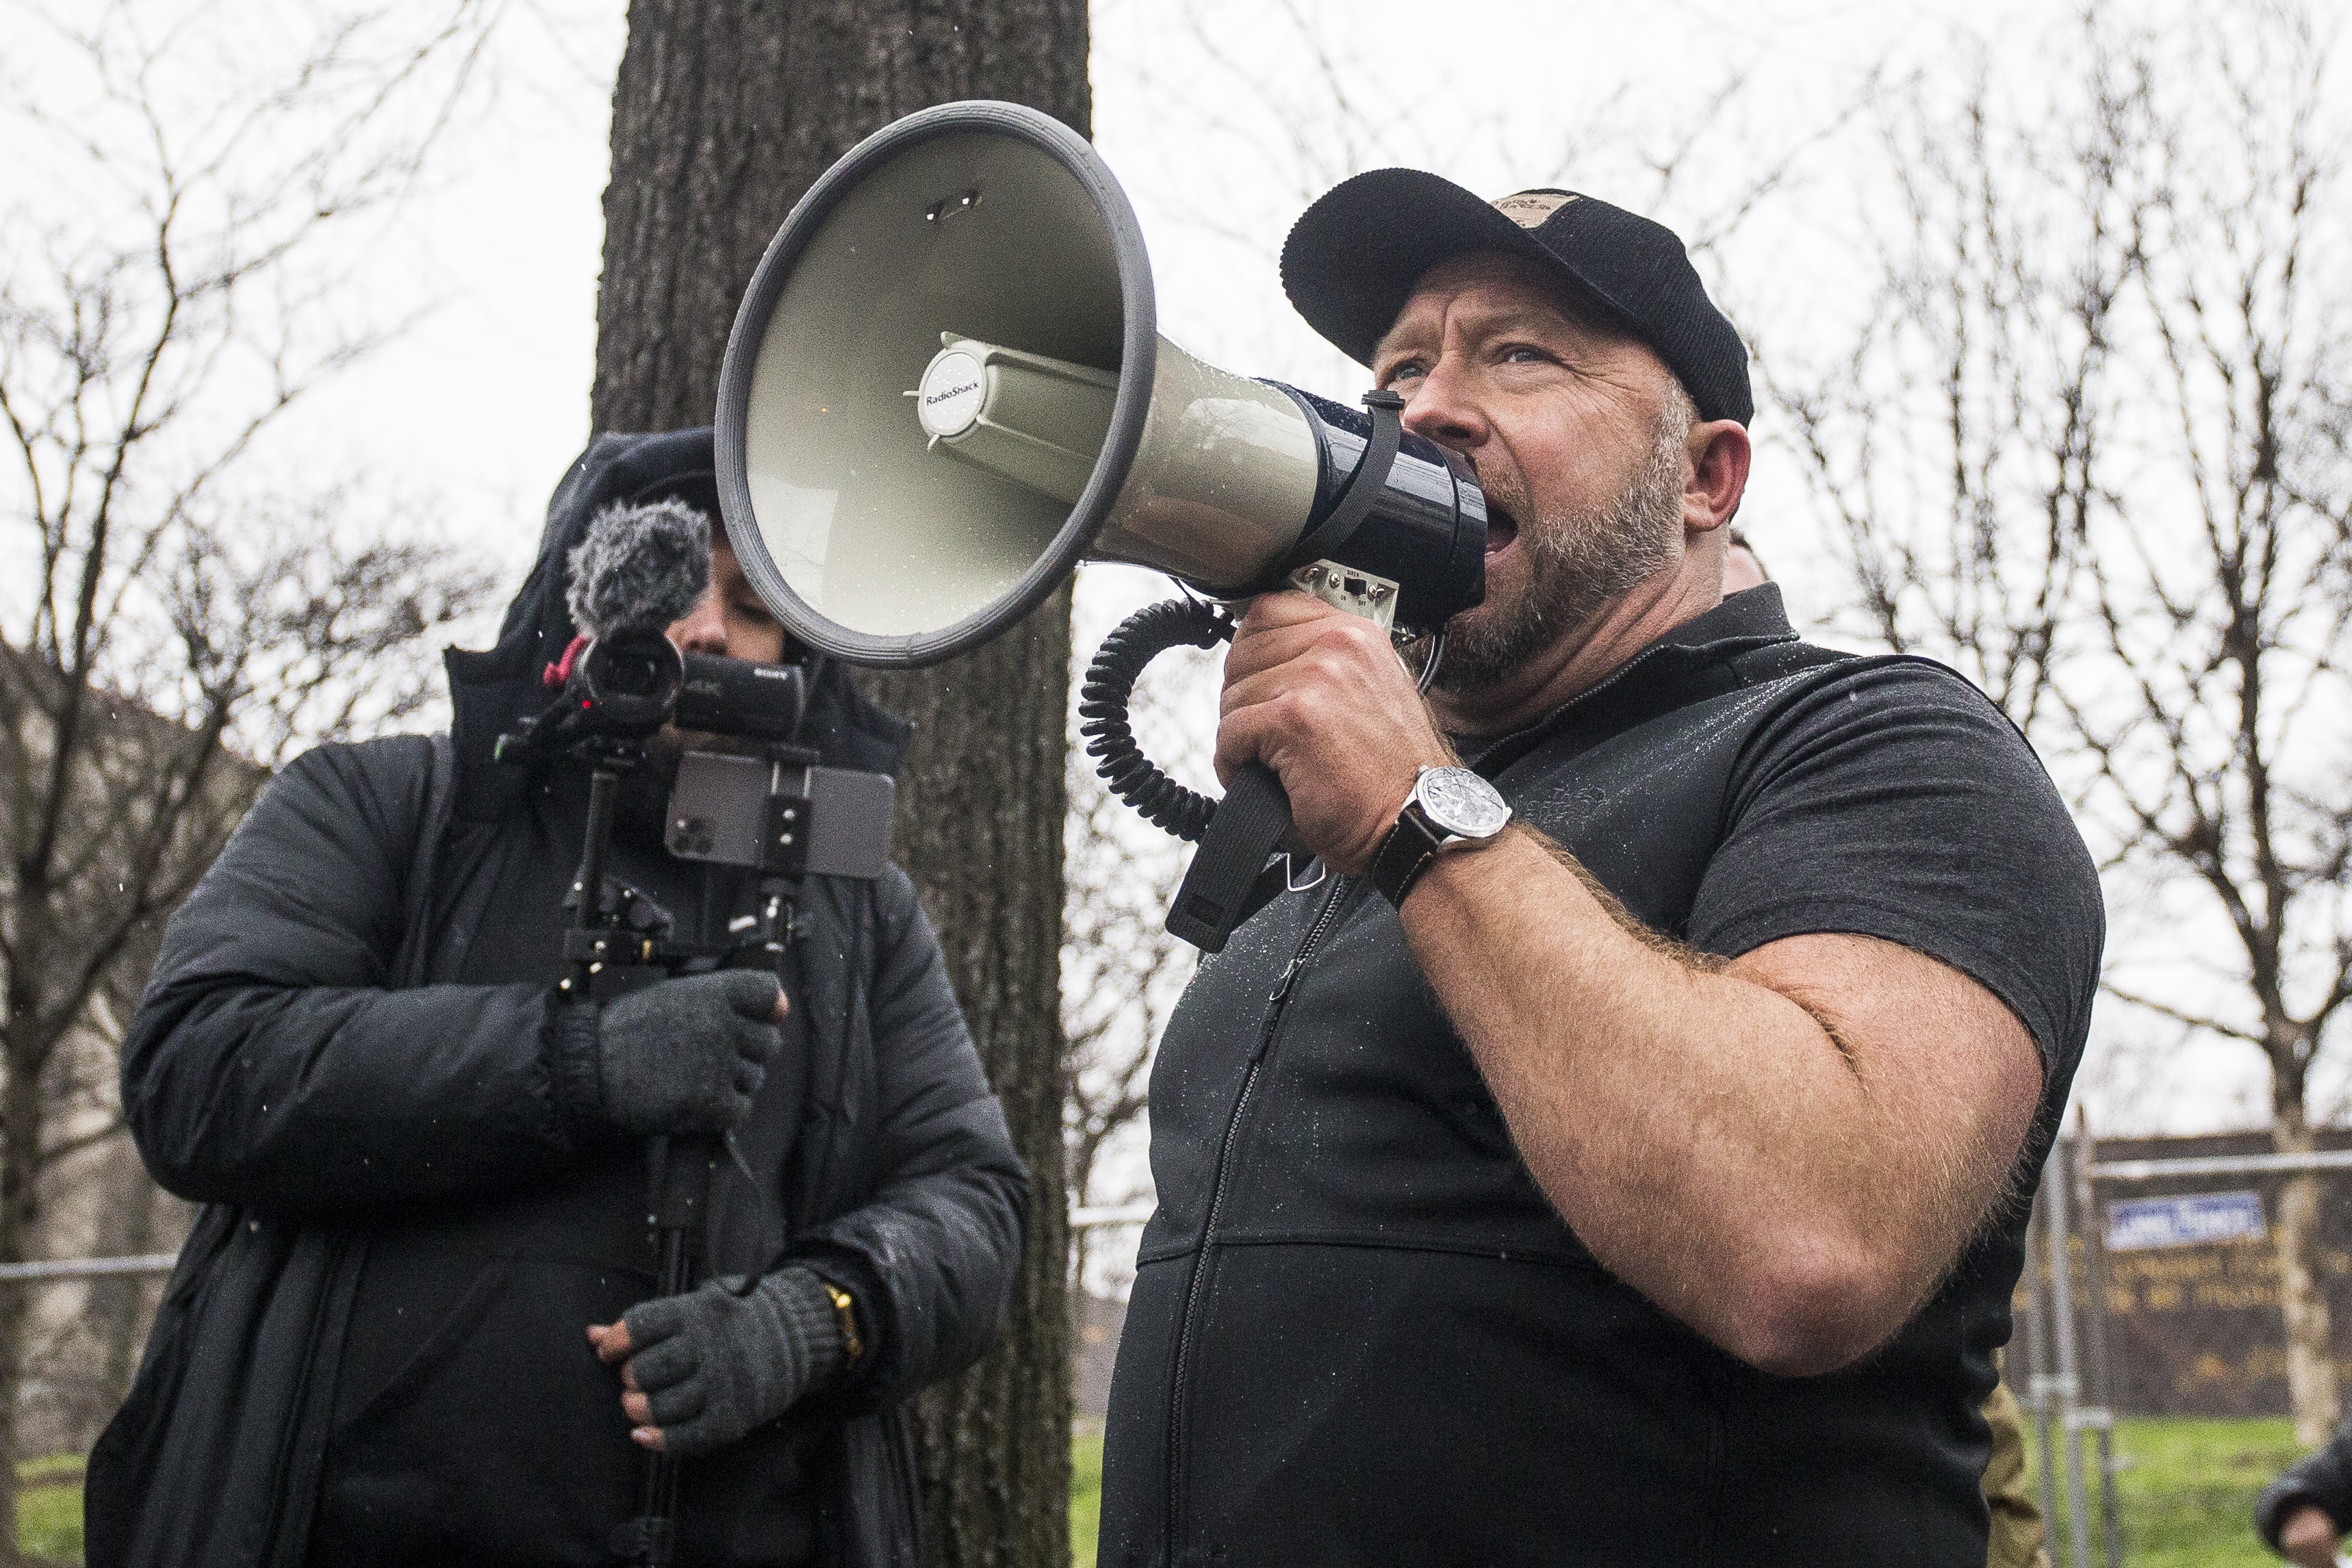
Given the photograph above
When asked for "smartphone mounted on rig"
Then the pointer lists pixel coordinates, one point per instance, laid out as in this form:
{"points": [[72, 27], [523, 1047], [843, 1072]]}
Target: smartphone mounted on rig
{"points": [[765, 804]]}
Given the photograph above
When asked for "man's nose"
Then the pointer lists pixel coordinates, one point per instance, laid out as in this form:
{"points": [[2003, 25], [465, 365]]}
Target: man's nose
{"points": [[1444, 409], [703, 630]]}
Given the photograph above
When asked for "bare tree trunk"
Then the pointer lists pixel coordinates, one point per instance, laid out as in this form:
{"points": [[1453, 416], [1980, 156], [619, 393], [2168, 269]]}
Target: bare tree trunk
{"points": [[2310, 1334], [725, 111], [980, 823], [22, 1114]]}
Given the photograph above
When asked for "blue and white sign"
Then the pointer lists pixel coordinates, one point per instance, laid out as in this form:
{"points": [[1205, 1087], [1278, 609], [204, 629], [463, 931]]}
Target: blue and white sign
{"points": [[2150, 1222]]}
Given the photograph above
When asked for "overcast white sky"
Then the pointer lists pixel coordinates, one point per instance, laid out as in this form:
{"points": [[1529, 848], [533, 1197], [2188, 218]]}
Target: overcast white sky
{"points": [[1223, 118], [488, 392]]}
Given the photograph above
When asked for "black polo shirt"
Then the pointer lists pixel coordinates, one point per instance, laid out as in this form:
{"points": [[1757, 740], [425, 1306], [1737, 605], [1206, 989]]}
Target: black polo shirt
{"points": [[1359, 1335]]}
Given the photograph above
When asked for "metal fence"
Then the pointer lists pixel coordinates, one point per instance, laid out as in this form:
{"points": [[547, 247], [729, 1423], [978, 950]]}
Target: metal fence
{"points": [[2149, 1297], [2060, 1404], [61, 1269]]}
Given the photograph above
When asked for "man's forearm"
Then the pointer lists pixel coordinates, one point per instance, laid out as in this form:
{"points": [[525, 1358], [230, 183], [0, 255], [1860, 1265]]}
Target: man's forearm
{"points": [[1785, 1150], [1727, 1152]]}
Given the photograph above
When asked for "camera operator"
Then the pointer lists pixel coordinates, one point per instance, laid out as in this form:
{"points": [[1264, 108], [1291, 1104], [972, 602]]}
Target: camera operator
{"points": [[1633, 1181], [412, 1324]]}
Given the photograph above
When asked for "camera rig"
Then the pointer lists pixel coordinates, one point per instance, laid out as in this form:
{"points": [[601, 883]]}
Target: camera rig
{"points": [[776, 812]]}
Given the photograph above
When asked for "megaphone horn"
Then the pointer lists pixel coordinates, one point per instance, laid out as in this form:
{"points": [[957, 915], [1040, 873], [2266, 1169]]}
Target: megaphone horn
{"points": [[945, 388]]}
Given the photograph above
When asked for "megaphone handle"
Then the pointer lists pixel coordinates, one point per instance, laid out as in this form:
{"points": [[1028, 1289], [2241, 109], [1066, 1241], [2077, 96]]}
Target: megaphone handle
{"points": [[1219, 888]]}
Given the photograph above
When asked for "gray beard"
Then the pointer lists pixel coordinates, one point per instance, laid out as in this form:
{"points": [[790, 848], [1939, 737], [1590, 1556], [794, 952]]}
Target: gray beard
{"points": [[1576, 567]]}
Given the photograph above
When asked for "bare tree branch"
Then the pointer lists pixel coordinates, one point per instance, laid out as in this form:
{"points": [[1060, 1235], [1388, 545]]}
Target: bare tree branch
{"points": [[171, 287], [2089, 446]]}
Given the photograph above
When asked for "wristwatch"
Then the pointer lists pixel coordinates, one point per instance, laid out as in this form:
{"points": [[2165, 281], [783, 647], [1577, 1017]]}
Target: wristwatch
{"points": [[1449, 808], [844, 1311]]}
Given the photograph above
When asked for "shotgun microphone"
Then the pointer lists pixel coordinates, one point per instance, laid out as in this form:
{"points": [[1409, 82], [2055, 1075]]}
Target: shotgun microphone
{"points": [[640, 568]]}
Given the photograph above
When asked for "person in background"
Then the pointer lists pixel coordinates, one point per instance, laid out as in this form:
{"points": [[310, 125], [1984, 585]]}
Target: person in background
{"points": [[2301, 1515], [2018, 1532]]}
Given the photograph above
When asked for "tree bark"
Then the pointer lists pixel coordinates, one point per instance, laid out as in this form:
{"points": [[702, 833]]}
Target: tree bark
{"points": [[23, 1112], [724, 113], [980, 823], [2303, 1302]]}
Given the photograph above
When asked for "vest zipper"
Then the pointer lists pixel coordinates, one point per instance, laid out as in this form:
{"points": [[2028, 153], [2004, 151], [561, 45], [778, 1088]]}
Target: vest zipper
{"points": [[1280, 1000]]}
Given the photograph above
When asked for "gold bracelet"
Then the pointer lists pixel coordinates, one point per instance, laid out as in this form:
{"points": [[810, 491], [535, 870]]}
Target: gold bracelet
{"points": [[845, 1308]]}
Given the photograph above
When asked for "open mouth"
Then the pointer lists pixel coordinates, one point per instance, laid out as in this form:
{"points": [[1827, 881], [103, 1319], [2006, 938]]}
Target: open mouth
{"points": [[1501, 530]]}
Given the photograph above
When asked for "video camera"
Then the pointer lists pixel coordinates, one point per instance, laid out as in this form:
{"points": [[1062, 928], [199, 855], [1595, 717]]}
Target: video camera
{"points": [[773, 808], [760, 799], [622, 688], [764, 802]]}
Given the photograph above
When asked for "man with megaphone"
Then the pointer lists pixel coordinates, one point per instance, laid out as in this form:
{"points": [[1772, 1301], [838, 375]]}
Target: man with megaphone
{"points": [[1617, 1161]]}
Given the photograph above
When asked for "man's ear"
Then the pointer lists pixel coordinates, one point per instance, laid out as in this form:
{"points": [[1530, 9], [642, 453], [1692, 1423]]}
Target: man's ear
{"points": [[1719, 453]]}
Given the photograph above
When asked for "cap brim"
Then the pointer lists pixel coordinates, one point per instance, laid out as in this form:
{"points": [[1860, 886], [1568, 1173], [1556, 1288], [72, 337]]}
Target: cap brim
{"points": [[1353, 258]]}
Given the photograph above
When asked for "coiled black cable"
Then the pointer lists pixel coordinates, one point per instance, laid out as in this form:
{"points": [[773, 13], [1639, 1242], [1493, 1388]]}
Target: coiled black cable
{"points": [[1102, 708]]}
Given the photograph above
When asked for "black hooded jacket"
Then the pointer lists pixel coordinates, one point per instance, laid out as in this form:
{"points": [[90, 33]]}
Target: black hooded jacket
{"points": [[342, 1053]]}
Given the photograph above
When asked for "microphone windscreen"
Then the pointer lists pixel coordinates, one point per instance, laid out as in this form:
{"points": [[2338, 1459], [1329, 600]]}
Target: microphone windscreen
{"points": [[639, 566]]}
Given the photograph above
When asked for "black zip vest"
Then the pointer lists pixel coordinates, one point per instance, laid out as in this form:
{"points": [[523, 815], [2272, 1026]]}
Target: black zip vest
{"points": [[1359, 1335]]}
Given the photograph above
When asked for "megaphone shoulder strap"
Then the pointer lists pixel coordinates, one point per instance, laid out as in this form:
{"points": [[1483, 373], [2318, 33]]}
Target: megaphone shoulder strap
{"points": [[1355, 504]]}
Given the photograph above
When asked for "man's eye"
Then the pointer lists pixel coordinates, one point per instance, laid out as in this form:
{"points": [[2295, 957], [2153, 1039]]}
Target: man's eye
{"points": [[1404, 371], [1522, 355]]}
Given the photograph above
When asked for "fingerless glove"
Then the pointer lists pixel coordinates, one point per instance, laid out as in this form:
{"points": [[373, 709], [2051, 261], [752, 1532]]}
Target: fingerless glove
{"points": [[733, 1355]]}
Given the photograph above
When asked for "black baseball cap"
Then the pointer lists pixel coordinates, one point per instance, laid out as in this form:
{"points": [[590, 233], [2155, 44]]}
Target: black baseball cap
{"points": [[1352, 259]]}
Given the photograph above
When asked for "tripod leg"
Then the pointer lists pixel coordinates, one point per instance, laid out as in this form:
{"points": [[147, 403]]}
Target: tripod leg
{"points": [[679, 1196]]}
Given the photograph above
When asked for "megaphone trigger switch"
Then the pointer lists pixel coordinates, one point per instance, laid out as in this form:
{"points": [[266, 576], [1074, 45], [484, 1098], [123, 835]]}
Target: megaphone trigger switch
{"points": [[1357, 592]]}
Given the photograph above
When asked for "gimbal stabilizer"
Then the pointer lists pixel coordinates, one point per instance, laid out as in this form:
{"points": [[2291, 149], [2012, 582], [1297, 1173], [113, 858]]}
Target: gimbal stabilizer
{"points": [[778, 813]]}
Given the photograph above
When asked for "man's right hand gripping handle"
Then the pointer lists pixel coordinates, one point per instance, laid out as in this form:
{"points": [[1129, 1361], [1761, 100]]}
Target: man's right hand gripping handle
{"points": [[679, 1058]]}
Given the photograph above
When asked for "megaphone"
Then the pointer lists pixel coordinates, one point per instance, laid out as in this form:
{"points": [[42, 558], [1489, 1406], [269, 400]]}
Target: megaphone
{"points": [[945, 388]]}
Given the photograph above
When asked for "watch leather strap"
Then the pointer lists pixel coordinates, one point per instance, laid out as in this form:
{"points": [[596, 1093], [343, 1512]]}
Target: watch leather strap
{"points": [[1404, 854]]}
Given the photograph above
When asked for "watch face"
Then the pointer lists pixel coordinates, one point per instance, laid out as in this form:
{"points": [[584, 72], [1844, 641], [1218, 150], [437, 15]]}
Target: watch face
{"points": [[1458, 801]]}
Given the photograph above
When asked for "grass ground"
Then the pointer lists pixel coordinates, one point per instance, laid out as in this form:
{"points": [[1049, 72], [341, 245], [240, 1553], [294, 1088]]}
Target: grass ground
{"points": [[1085, 1496], [49, 1507], [2187, 1493], [2186, 1490]]}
